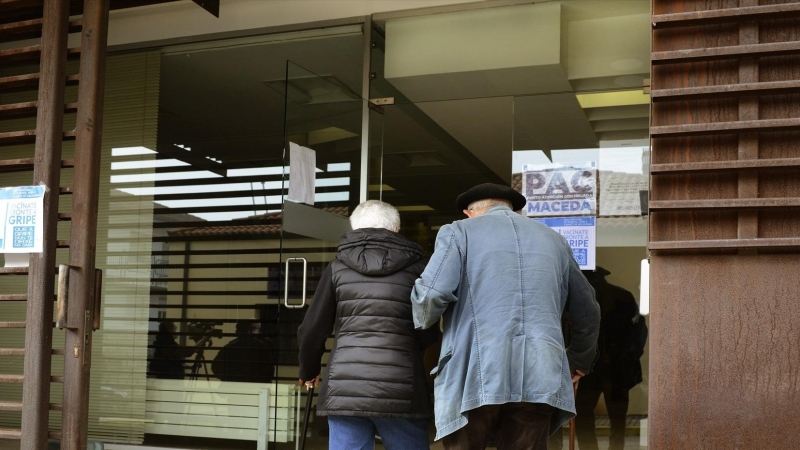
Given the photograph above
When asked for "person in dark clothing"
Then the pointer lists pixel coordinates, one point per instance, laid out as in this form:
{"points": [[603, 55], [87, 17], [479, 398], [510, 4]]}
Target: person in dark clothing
{"points": [[246, 358], [375, 379], [620, 345], [168, 357]]}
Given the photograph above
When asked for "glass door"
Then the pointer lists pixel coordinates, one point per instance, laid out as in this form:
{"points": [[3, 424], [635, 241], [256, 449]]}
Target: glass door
{"points": [[323, 184]]}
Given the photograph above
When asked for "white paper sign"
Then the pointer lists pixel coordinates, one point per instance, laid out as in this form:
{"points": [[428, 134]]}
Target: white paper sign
{"points": [[302, 173], [560, 189], [21, 209], [581, 235]]}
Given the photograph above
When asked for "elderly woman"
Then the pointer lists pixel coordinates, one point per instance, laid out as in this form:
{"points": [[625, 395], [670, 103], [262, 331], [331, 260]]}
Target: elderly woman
{"points": [[375, 379]]}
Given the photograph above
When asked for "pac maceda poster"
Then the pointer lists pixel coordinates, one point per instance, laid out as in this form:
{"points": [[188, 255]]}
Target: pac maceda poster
{"points": [[560, 189], [564, 198]]}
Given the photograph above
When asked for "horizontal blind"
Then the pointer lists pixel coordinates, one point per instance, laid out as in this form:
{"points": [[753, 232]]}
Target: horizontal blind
{"points": [[118, 375]]}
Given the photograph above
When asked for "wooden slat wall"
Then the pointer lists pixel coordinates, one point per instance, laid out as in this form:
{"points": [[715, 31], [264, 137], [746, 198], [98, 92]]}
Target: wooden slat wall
{"points": [[117, 393], [724, 225]]}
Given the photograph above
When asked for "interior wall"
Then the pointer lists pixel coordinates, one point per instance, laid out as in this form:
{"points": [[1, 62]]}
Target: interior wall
{"points": [[184, 20]]}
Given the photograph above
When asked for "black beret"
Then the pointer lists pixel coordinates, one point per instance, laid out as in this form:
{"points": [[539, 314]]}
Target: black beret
{"points": [[599, 271], [491, 190]]}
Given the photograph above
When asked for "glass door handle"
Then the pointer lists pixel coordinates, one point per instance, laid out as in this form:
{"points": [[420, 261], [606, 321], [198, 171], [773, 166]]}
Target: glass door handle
{"points": [[286, 283]]}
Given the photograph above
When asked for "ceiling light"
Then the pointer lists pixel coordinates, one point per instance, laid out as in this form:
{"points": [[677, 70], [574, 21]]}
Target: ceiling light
{"points": [[615, 98], [380, 187], [329, 134], [313, 90]]}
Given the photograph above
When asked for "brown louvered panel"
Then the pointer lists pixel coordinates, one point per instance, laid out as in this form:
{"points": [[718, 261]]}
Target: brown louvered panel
{"points": [[16, 297], [714, 166], [28, 82], [724, 223], [20, 54], [728, 52], [21, 352], [679, 247], [736, 203], [26, 164], [727, 90], [30, 54], [19, 83], [750, 126], [11, 6], [12, 379], [17, 137], [27, 137], [29, 29], [12, 352], [10, 31], [10, 433], [27, 109], [695, 18], [22, 20], [10, 406], [15, 110]]}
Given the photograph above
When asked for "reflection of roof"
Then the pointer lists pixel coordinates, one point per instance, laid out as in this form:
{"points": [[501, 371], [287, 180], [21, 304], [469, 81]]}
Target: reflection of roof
{"points": [[273, 225], [516, 182]]}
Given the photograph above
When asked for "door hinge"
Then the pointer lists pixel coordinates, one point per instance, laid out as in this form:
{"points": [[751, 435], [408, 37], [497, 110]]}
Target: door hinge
{"points": [[382, 101]]}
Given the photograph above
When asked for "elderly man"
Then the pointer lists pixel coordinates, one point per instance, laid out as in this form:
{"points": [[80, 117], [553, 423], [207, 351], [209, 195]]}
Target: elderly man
{"points": [[501, 282]]}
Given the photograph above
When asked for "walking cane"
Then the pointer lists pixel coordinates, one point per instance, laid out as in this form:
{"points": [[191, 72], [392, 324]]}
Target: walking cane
{"points": [[572, 423], [309, 398], [572, 434]]}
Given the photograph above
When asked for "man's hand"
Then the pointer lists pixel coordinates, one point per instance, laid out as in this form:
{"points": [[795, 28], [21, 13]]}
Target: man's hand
{"points": [[310, 383], [576, 377]]}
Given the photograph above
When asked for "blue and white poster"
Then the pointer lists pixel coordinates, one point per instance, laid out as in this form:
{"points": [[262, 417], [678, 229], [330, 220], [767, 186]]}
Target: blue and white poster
{"points": [[21, 209], [580, 233], [560, 189]]}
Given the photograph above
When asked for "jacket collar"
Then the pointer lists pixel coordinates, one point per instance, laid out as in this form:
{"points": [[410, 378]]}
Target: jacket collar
{"points": [[498, 209]]}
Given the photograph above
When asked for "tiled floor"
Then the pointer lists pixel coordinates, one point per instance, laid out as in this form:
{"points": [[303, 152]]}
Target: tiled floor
{"points": [[319, 442]]}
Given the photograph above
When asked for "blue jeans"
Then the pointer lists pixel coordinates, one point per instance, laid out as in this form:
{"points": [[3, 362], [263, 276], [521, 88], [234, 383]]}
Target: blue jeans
{"points": [[358, 433]]}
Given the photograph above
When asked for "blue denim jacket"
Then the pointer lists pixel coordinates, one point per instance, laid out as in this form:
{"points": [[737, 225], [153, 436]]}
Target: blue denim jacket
{"points": [[501, 281]]}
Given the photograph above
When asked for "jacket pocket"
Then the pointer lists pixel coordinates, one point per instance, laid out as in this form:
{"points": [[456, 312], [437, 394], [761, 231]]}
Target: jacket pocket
{"points": [[442, 361]]}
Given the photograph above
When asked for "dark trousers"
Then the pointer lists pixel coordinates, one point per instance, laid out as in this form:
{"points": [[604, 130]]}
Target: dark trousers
{"points": [[617, 406], [515, 426]]}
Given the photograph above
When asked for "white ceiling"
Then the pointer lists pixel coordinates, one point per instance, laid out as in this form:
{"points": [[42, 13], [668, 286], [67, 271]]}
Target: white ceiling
{"points": [[462, 127], [604, 46]]}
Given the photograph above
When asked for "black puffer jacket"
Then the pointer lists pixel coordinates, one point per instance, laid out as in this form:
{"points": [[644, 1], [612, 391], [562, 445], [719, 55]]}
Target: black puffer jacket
{"points": [[375, 368]]}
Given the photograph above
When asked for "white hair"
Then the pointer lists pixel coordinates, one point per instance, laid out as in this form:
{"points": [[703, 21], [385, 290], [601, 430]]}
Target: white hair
{"points": [[375, 214], [480, 205]]}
